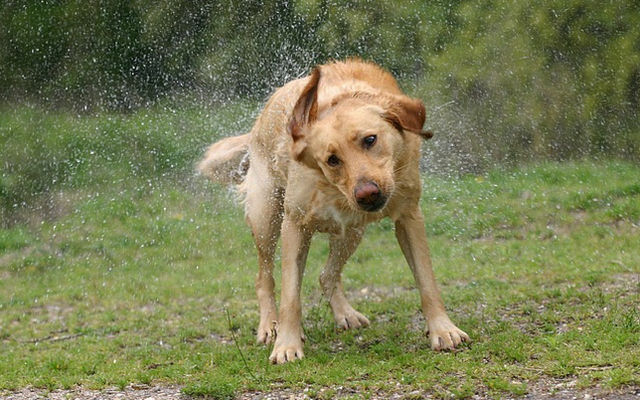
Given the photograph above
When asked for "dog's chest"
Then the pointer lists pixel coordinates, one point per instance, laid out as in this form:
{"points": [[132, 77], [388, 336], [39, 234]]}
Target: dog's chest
{"points": [[328, 212], [333, 220]]}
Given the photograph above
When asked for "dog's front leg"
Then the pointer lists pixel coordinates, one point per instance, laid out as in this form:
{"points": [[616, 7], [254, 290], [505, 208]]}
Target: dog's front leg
{"points": [[412, 238], [295, 247]]}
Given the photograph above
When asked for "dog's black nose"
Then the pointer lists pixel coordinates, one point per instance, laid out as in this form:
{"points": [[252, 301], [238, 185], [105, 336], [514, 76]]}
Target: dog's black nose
{"points": [[369, 196]]}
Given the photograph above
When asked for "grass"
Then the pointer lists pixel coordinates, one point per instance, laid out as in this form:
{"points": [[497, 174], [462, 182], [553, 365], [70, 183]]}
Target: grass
{"points": [[143, 274]]}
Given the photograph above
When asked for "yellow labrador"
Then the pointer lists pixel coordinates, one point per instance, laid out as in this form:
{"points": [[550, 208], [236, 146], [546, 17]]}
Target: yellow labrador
{"points": [[331, 152]]}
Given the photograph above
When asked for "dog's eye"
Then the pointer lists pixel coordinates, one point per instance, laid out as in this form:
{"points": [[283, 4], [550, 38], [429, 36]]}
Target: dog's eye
{"points": [[333, 160], [369, 141]]}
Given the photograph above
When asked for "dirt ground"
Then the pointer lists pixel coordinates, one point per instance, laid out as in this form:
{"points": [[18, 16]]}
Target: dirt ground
{"points": [[548, 391]]}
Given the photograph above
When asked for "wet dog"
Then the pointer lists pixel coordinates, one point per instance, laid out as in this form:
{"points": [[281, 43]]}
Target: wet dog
{"points": [[331, 152]]}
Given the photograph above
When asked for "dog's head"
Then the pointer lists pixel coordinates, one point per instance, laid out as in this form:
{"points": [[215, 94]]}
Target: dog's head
{"points": [[357, 142]]}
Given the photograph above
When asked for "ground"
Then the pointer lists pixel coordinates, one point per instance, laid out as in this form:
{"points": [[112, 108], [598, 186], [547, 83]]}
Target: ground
{"points": [[551, 390]]}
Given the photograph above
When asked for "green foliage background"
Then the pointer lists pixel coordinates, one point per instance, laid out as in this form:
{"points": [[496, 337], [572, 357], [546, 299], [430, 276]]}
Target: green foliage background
{"points": [[526, 80]]}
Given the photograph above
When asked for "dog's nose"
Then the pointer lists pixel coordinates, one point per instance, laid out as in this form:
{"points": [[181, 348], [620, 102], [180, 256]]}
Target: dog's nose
{"points": [[369, 196]]}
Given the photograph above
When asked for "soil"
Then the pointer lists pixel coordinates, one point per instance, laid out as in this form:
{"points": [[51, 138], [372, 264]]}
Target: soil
{"points": [[542, 391]]}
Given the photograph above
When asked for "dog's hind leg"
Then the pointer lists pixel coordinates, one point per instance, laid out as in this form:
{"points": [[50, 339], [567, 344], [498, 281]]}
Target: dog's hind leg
{"points": [[263, 208], [341, 248]]}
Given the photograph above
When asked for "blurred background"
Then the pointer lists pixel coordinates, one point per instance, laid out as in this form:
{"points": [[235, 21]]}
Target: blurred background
{"points": [[147, 84]]}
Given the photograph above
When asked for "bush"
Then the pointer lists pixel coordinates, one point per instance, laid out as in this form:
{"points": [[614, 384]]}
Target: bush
{"points": [[504, 82]]}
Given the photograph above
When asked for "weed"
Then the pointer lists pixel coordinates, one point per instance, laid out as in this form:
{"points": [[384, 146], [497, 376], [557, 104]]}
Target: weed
{"points": [[211, 390]]}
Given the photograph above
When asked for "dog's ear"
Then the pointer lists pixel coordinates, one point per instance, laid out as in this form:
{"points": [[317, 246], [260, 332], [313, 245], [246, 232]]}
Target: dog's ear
{"points": [[304, 113], [407, 114]]}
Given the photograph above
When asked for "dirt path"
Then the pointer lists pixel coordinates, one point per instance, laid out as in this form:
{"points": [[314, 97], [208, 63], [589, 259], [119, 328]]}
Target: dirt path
{"points": [[551, 392]]}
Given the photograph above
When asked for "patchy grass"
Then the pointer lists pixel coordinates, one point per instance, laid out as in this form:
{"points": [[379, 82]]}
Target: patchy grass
{"points": [[134, 281]]}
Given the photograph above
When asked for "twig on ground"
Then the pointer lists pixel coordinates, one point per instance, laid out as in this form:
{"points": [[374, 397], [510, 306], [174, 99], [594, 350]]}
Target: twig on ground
{"points": [[235, 340], [51, 338]]}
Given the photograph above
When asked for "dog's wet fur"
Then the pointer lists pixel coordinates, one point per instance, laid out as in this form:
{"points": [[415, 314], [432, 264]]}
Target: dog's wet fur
{"points": [[331, 152]]}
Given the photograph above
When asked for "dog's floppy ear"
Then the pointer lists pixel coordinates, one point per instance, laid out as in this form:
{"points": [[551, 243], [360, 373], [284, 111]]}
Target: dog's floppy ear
{"points": [[304, 113], [408, 114]]}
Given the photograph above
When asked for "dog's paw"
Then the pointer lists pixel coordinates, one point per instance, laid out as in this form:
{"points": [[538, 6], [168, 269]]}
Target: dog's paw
{"points": [[267, 332], [352, 320], [445, 335], [286, 350]]}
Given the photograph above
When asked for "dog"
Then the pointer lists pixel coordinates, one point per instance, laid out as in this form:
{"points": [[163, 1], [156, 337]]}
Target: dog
{"points": [[331, 152]]}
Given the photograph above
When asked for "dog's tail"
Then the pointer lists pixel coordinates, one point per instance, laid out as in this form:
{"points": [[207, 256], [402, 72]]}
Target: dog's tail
{"points": [[226, 161]]}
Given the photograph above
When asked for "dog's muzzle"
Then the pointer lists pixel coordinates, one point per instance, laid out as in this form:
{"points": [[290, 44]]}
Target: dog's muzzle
{"points": [[369, 196]]}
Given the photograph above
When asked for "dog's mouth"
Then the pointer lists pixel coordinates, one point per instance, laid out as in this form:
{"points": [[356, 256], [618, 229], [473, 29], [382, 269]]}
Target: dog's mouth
{"points": [[370, 197], [374, 206]]}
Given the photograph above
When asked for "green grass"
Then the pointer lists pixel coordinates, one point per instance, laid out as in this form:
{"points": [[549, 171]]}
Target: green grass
{"points": [[147, 277]]}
